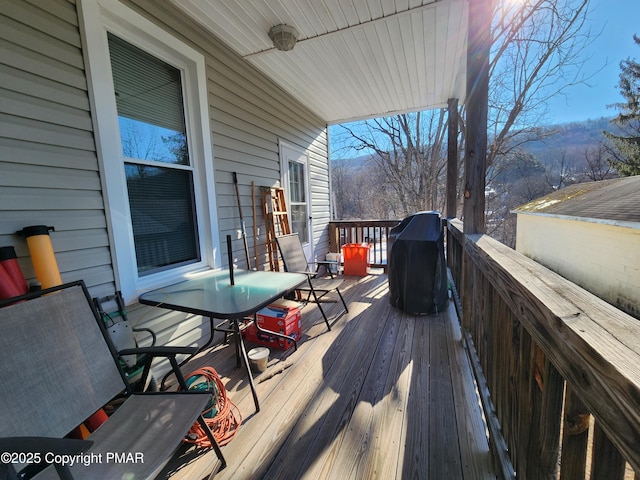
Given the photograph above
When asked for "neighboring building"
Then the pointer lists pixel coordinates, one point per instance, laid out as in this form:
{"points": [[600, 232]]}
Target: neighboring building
{"points": [[590, 234]]}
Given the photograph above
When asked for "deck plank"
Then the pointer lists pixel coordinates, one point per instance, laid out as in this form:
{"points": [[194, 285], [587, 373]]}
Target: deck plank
{"points": [[332, 405], [391, 412], [382, 395], [354, 451], [345, 379], [417, 437], [444, 451], [474, 449]]}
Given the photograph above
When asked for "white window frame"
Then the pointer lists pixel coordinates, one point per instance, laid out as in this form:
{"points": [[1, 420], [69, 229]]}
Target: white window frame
{"points": [[98, 18]]}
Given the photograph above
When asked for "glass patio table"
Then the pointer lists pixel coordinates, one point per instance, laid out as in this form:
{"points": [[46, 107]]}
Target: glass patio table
{"points": [[225, 295]]}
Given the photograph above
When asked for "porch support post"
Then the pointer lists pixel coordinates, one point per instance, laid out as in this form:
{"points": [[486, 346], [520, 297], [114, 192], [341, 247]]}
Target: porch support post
{"points": [[475, 156], [475, 162], [452, 158]]}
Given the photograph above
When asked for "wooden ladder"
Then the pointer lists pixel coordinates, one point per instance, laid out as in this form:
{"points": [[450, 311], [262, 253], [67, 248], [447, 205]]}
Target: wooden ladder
{"points": [[277, 221]]}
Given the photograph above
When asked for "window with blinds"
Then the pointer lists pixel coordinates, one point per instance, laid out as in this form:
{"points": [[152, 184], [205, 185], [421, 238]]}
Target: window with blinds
{"points": [[158, 170]]}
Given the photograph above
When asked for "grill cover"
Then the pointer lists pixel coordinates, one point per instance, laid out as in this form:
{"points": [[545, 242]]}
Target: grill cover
{"points": [[416, 267]]}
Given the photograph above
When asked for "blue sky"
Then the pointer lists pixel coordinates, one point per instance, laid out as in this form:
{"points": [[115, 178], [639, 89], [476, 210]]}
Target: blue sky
{"points": [[618, 21]]}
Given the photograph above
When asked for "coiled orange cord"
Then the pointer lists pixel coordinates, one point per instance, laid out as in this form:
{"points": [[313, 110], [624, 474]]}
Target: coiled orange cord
{"points": [[221, 414]]}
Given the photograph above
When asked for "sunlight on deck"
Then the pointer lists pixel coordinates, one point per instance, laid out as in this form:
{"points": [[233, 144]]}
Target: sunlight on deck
{"points": [[381, 395]]}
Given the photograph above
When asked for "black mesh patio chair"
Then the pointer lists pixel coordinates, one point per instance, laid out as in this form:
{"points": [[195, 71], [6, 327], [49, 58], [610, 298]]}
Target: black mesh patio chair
{"points": [[59, 367], [112, 310], [295, 261]]}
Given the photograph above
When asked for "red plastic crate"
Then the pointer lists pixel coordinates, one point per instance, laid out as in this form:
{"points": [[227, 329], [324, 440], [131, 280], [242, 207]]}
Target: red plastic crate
{"points": [[356, 259]]}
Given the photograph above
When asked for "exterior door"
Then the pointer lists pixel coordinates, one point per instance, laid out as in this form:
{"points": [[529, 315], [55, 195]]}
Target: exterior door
{"points": [[295, 180]]}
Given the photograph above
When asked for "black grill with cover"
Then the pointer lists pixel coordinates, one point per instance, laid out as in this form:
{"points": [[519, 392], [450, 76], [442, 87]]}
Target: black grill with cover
{"points": [[416, 265]]}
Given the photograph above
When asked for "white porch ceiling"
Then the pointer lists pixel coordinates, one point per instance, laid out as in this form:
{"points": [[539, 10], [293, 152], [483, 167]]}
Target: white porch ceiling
{"points": [[354, 59]]}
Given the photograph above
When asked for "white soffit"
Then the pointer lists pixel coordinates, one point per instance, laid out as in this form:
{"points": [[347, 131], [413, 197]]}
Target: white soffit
{"points": [[354, 59]]}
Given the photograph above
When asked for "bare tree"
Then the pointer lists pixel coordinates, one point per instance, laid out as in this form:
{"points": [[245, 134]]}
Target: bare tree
{"points": [[357, 192], [558, 171], [518, 180], [340, 174], [596, 165], [409, 158], [537, 53]]}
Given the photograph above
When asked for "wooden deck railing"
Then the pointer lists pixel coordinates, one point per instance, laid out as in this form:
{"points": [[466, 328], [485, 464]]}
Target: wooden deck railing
{"points": [[553, 362], [373, 232]]}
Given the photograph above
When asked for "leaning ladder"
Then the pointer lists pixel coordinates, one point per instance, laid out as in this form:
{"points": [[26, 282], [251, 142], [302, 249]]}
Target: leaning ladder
{"points": [[277, 221]]}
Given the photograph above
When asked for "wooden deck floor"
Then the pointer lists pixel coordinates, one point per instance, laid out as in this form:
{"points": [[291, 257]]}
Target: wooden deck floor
{"points": [[382, 395]]}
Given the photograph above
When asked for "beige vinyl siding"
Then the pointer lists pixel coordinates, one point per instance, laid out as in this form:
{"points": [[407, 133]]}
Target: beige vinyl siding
{"points": [[249, 115], [48, 165]]}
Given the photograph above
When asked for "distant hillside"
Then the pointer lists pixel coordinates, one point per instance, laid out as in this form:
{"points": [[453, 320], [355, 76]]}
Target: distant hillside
{"points": [[356, 162], [571, 136]]}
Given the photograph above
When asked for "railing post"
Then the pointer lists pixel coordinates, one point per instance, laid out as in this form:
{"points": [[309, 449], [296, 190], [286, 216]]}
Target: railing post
{"points": [[546, 421], [575, 435], [469, 302], [452, 158], [333, 238], [475, 160], [607, 461]]}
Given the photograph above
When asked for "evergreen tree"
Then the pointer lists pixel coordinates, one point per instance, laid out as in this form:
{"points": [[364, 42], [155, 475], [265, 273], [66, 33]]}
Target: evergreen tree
{"points": [[625, 149]]}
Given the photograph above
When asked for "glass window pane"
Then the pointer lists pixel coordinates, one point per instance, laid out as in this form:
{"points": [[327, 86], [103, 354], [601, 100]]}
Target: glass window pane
{"points": [[148, 95], [162, 215], [297, 187], [299, 221], [149, 142]]}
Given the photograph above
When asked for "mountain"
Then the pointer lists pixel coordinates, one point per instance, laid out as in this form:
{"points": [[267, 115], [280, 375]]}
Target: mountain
{"points": [[355, 162], [571, 136]]}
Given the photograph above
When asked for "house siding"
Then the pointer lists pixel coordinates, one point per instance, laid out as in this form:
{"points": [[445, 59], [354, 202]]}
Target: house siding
{"points": [[49, 170], [48, 164]]}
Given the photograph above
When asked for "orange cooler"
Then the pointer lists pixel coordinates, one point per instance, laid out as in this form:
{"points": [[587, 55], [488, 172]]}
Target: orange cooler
{"points": [[356, 259]]}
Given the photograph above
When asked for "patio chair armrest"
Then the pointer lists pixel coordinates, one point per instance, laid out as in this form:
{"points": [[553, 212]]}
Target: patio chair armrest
{"points": [[147, 330], [164, 351], [308, 274], [326, 264]]}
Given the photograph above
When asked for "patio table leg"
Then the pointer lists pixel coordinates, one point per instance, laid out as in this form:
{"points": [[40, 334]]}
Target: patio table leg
{"points": [[247, 366]]}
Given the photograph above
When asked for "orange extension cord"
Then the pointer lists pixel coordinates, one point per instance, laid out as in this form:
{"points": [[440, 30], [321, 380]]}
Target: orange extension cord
{"points": [[222, 415]]}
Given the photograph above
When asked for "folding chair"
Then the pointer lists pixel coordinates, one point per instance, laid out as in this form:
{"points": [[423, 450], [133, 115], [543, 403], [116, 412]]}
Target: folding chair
{"points": [[114, 315], [295, 261], [59, 366]]}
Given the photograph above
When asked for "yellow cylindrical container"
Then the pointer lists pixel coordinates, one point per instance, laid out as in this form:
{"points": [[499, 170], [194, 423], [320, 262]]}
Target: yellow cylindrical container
{"points": [[42, 256]]}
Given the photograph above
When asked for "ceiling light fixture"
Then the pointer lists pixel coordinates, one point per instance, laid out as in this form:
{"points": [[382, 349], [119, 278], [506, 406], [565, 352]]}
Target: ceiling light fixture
{"points": [[284, 37]]}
